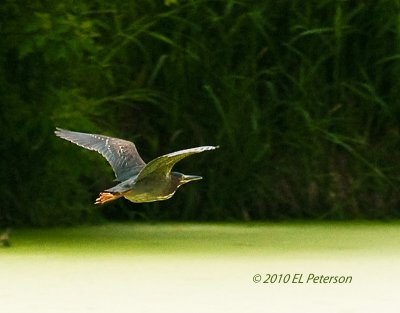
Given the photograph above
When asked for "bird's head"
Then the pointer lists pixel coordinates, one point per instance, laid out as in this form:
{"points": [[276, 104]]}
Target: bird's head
{"points": [[181, 179]]}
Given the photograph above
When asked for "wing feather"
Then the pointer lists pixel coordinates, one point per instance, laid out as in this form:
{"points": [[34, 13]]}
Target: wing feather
{"points": [[121, 154], [163, 165]]}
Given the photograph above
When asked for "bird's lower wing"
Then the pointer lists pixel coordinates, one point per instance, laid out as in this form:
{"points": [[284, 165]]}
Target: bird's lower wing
{"points": [[162, 165]]}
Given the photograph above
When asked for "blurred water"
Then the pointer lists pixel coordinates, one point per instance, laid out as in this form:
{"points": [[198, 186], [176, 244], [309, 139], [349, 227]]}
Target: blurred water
{"points": [[168, 283]]}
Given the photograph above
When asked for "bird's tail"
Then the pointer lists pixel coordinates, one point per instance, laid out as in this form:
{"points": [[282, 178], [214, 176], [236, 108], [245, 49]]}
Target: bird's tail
{"points": [[107, 196]]}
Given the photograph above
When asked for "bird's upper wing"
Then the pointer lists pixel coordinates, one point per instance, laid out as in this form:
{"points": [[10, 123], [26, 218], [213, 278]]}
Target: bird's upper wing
{"points": [[162, 165], [121, 154]]}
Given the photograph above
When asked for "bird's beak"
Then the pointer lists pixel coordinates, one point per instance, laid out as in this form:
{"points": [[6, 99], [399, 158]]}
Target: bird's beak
{"points": [[189, 178]]}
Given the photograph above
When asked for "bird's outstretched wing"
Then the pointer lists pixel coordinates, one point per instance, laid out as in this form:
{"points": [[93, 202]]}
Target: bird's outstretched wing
{"points": [[162, 165], [121, 154]]}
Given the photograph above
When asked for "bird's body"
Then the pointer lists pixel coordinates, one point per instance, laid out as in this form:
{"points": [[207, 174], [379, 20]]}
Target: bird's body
{"points": [[140, 182]]}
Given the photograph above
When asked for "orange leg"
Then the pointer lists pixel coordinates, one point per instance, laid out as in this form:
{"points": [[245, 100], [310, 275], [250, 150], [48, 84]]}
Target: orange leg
{"points": [[107, 196]]}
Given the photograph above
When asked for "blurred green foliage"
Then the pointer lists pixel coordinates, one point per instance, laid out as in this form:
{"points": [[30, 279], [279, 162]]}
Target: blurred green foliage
{"points": [[303, 98]]}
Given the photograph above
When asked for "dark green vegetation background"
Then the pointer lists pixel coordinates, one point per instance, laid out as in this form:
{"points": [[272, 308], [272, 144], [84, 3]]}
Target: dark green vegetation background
{"points": [[302, 96]]}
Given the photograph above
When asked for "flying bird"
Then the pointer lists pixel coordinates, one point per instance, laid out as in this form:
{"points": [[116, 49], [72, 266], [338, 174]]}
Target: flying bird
{"points": [[139, 181]]}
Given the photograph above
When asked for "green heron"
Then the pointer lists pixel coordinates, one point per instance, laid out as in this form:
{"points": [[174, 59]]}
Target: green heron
{"points": [[139, 182]]}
